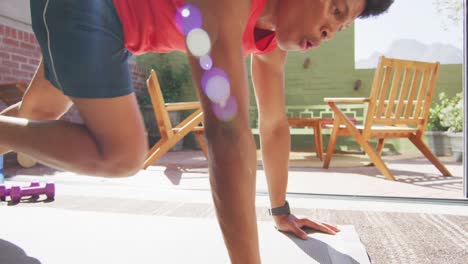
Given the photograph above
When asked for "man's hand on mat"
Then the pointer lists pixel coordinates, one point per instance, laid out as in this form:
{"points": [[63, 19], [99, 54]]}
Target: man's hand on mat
{"points": [[292, 224]]}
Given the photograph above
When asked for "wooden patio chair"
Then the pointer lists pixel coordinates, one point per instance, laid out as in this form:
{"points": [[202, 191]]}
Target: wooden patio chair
{"points": [[398, 107], [171, 135]]}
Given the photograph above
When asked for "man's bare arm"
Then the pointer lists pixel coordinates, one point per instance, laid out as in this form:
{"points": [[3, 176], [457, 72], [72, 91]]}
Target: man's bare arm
{"points": [[232, 155], [268, 80]]}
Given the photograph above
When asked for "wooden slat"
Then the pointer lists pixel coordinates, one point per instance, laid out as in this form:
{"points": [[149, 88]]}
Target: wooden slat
{"points": [[411, 64], [390, 134], [429, 96], [412, 92], [393, 91], [346, 100], [182, 106], [422, 92], [381, 128], [403, 92], [404, 102], [196, 116], [386, 102], [303, 122], [383, 92], [373, 95], [398, 121], [157, 100]]}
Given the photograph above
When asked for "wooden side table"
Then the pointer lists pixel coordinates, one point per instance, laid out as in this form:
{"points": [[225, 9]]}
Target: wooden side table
{"points": [[316, 124]]}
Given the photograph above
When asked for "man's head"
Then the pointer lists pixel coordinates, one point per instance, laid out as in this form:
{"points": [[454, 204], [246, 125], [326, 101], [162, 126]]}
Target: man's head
{"points": [[303, 24], [375, 8]]}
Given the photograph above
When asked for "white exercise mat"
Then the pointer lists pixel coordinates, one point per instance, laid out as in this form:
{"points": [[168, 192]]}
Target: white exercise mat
{"points": [[57, 236]]}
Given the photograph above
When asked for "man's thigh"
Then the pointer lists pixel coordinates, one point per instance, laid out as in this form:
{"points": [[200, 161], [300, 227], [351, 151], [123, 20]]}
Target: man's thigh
{"points": [[42, 100], [116, 124], [83, 48]]}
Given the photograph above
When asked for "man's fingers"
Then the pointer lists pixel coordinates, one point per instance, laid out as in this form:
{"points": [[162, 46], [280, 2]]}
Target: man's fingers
{"points": [[316, 226], [298, 231], [334, 228]]}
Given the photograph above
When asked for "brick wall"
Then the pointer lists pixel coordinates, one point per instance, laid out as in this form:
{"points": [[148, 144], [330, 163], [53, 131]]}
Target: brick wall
{"points": [[20, 54], [139, 76]]}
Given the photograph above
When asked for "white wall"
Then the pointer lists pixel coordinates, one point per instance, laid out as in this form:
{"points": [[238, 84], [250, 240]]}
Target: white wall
{"points": [[16, 13]]}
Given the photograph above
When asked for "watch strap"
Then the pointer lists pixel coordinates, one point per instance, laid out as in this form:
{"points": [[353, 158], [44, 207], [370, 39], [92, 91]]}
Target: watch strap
{"points": [[280, 210]]}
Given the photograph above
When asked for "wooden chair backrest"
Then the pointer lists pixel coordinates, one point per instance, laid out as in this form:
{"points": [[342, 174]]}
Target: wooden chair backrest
{"points": [[401, 93], [157, 100]]}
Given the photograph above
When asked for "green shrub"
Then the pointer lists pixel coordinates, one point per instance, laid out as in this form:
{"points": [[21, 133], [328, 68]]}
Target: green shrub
{"points": [[451, 116], [171, 79], [434, 123]]}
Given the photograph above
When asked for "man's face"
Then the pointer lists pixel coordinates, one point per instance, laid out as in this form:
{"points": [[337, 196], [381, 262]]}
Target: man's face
{"points": [[303, 24]]}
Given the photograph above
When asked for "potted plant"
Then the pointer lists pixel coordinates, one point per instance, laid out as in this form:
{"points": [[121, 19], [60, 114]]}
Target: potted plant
{"points": [[451, 116], [436, 134]]}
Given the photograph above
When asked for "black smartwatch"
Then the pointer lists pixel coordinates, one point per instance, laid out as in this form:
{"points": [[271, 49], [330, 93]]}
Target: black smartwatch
{"points": [[280, 210]]}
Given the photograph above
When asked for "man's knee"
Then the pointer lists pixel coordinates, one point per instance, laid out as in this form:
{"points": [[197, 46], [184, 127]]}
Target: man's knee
{"points": [[125, 162], [40, 112], [122, 167], [42, 101]]}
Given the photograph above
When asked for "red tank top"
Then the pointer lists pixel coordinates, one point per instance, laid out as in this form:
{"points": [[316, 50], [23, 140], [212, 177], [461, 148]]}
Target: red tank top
{"points": [[149, 25]]}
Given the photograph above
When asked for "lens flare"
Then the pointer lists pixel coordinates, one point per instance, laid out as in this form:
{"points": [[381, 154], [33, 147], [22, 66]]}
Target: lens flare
{"points": [[218, 89], [228, 112], [187, 18], [206, 62], [185, 12], [215, 84], [210, 73], [198, 42]]}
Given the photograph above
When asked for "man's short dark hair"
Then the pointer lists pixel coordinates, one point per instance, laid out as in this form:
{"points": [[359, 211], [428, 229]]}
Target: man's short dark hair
{"points": [[375, 8]]}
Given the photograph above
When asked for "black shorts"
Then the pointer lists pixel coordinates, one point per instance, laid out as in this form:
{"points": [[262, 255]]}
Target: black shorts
{"points": [[83, 48]]}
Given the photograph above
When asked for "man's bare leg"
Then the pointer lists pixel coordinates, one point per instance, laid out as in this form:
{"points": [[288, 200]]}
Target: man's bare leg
{"points": [[112, 141], [41, 101]]}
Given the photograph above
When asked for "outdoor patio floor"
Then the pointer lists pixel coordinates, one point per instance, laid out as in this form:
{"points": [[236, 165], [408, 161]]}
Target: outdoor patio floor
{"points": [[138, 208], [347, 175]]}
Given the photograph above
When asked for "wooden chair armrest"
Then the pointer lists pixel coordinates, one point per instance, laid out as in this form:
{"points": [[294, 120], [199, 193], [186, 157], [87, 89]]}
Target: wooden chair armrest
{"points": [[182, 106], [348, 121], [346, 100]]}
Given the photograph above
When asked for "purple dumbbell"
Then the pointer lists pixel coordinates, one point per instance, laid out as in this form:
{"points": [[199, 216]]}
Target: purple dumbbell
{"points": [[17, 193], [4, 191]]}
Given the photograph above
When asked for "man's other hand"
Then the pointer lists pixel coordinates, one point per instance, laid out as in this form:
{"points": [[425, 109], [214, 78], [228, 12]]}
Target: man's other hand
{"points": [[291, 224]]}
